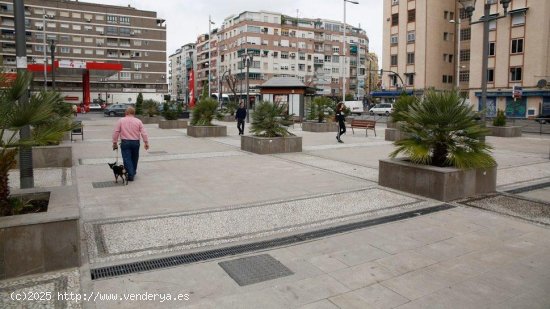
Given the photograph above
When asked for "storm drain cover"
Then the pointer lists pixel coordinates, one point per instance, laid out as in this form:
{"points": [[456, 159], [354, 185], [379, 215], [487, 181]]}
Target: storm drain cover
{"points": [[157, 152], [107, 184], [255, 269]]}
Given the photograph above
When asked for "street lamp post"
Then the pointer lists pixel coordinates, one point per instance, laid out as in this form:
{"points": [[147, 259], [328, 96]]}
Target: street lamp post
{"points": [[52, 53], [344, 47], [457, 76], [210, 22], [248, 59], [45, 53], [469, 7]]}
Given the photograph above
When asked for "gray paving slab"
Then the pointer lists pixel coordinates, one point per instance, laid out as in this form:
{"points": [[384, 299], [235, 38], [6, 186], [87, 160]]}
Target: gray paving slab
{"points": [[373, 296]]}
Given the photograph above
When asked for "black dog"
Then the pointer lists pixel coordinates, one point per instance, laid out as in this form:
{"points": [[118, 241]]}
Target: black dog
{"points": [[119, 171]]}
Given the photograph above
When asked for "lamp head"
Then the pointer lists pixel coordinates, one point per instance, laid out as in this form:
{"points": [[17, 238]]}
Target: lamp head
{"points": [[505, 4]]}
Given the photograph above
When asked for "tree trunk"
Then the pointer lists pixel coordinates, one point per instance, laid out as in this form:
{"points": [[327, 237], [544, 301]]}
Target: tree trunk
{"points": [[439, 155], [7, 162]]}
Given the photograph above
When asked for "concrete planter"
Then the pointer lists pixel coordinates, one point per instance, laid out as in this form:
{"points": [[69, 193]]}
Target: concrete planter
{"points": [[173, 124], [394, 134], [41, 242], [51, 156], [508, 131], [206, 131], [440, 183], [229, 118], [269, 145], [149, 120], [310, 126]]}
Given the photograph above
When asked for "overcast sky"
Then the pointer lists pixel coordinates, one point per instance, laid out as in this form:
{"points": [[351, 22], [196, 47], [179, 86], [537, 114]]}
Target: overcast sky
{"points": [[186, 19]]}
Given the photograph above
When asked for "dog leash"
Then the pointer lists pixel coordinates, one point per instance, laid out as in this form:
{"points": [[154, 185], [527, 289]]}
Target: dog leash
{"points": [[116, 159]]}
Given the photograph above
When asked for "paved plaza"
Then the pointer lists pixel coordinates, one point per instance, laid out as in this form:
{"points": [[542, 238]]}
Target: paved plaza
{"points": [[192, 196]]}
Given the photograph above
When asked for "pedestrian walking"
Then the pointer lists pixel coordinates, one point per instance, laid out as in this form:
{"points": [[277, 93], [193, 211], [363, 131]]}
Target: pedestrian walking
{"points": [[240, 116], [130, 129], [341, 118]]}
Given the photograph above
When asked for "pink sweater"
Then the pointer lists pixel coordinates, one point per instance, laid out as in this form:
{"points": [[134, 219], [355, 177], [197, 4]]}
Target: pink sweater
{"points": [[130, 128]]}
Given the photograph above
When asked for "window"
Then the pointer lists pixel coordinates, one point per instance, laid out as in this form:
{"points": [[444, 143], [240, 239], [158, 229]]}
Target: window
{"points": [[284, 55], [88, 51], [518, 19], [411, 15], [99, 17], [77, 27], [448, 58], [464, 76], [51, 25], [465, 34], [446, 36], [465, 55], [64, 14], [451, 15], [100, 52], [410, 78], [328, 58], [137, 66], [393, 39], [515, 74], [395, 19], [77, 39], [64, 26], [393, 60], [517, 46], [77, 15], [137, 42], [112, 19], [88, 28], [490, 75], [411, 36], [463, 14], [492, 25], [335, 70], [88, 40], [39, 48], [446, 15], [112, 30], [491, 49], [125, 75], [394, 2], [88, 17], [124, 20], [137, 76], [77, 51], [447, 79], [125, 31], [335, 58], [410, 58], [64, 38]]}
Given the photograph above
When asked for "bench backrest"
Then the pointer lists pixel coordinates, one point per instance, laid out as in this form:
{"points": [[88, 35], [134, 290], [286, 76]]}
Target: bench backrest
{"points": [[363, 123]]}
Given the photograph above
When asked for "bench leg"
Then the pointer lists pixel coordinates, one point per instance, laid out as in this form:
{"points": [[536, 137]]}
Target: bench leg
{"points": [[374, 132], [366, 132], [352, 132]]}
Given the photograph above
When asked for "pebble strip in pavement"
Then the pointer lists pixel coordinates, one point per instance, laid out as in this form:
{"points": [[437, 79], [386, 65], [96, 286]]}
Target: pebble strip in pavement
{"points": [[167, 157], [119, 239], [44, 177]]}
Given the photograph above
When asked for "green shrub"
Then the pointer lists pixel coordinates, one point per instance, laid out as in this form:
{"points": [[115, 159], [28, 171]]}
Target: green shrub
{"points": [[270, 120], [150, 107], [139, 104], [205, 111], [320, 108], [230, 108], [170, 110], [500, 119]]}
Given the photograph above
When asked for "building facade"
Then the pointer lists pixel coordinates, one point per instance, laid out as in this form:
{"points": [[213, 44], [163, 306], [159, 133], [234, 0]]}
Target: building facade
{"points": [[431, 44], [86, 32], [281, 46], [180, 65], [207, 62]]}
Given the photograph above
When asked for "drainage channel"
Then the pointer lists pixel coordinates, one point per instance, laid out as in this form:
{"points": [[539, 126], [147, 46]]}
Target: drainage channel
{"points": [[178, 260], [529, 188]]}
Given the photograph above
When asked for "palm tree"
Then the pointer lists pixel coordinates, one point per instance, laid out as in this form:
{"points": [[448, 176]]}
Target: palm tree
{"points": [[270, 120], [441, 130], [41, 112]]}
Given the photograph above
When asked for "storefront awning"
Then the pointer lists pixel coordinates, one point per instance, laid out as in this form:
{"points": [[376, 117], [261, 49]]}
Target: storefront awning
{"points": [[535, 93], [383, 94]]}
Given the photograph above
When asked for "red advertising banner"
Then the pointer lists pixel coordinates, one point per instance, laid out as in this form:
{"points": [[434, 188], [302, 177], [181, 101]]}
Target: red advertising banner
{"points": [[191, 89]]}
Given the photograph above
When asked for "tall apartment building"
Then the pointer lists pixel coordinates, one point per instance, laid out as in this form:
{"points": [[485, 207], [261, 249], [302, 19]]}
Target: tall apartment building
{"points": [[86, 33], [281, 45], [421, 45], [180, 65], [207, 62]]}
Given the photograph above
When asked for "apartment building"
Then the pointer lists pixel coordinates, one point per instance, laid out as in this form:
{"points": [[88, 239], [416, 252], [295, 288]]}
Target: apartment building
{"points": [[87, 33], [422, 50], [207, 62], [281, 45], [181, 63]]}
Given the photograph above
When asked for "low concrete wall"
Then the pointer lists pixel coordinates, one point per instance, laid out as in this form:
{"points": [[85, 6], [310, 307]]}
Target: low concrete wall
{"points": [[508, 131], [41, 242], [149, 120], [173, 124], [206, 131], [444, 184], [319, 126], [269, 145], [51, 156], [393, 134]]}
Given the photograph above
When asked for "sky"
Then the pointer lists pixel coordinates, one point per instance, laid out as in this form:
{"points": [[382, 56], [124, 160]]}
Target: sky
{"points": [[186, 19]]}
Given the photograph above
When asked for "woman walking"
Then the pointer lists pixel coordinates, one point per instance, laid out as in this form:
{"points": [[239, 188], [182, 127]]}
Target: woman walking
{"points": [[341, 118]]}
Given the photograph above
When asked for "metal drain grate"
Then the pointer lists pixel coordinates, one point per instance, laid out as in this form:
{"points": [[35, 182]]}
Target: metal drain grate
{"points": [[255, 269], [157, 152], [107, 184], [124, 269], [529, 188]]}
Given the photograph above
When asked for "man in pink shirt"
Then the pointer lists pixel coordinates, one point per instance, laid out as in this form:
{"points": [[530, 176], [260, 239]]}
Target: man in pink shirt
{"points": [[129, 129]]}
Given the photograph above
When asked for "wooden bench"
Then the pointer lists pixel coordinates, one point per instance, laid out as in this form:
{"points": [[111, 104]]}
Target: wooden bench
{"points": [[79, 130], [363, 124]]}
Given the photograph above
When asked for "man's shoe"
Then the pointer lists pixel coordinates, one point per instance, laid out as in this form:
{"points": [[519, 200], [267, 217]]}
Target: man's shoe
{"points": [[340, 141]]}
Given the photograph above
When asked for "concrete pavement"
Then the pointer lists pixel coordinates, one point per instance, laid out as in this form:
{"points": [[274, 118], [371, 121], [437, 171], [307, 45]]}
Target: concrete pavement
{"points": [[195, 194]]}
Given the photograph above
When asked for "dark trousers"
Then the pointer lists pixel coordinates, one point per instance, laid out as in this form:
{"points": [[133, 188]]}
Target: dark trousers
{"points": [[240, 125], [130, 156], [341, 127]]}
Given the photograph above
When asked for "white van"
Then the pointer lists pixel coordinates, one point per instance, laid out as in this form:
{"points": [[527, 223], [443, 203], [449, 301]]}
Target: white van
{"points": [[356, 107]]}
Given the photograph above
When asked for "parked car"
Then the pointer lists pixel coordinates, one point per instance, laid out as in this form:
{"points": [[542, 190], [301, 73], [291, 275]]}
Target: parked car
{"points": [[95, 107], [382, 109], [116, 110]]}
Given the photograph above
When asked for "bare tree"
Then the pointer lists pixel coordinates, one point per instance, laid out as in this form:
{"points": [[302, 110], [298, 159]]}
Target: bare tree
{"points": [[232, 83]]}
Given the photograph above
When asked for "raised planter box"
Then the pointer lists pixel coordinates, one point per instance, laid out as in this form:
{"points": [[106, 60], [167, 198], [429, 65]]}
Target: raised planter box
{"points": [[149, 120], [51, 156], [206, 131], [440, 183], [41, 242], [393, 134], [269, 145], [311, 126], [507, 131], [173, 124]]}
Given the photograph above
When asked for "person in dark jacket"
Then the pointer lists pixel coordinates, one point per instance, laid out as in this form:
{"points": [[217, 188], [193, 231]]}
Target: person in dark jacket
{"points": [[240, 116], [341, 118]]}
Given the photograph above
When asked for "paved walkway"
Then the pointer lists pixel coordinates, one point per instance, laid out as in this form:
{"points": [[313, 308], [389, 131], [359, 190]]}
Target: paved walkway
{"points": [[197, 194]]}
